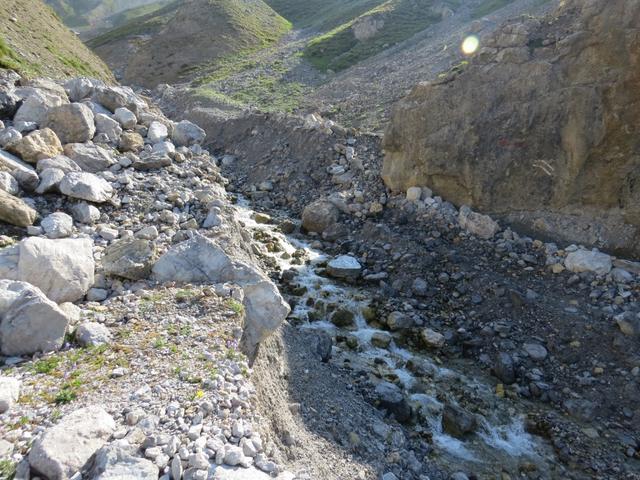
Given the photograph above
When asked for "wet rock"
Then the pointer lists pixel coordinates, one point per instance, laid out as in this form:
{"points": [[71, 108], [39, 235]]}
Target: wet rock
{"points": [[588, 261], [9, 393], [503, 368], [343, 318], [432, 338], [92, 333], [63, 269], [15, 211], [381, 339], [29, 321], [477, 224], [344, 267], [37, 145], [391, 398], [130, 258], [57, 225], [319, 216], [535, 351], [86, 186], [63, 449], [399, 321], [457, 422], [89, 157], [72, 122]]}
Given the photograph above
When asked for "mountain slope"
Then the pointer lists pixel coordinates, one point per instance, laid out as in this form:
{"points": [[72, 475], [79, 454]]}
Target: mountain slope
{"points": [[168, 44], [49, 50]]}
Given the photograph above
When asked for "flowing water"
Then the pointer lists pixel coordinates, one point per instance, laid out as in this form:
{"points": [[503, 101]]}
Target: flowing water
{"points": [[500, 442]]}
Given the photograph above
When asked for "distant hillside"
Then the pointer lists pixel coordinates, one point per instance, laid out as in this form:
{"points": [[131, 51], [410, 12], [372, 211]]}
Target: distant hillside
{"points": [[167, 45], [51, 49], [322, 15], [375, 30], [91, 14]]}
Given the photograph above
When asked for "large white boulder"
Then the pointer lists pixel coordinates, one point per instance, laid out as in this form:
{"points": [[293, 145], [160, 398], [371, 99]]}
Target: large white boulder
{"points": [[157, 132], [588, 261], [200, 260], [63, 269], [29, 321], [34, 108], [57, 225], [65, 448], [89, 157], [72, 122], [86, 186], [114, 462]]}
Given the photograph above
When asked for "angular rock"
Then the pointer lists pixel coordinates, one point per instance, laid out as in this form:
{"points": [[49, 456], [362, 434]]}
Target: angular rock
{"points": [[114, 462], [319, 215], [29, 321], [151, 162], [9, 136], [9, 257], [477, 224], [457, 422], [131, 142], [86, 186], [72, 122], [8, 183], [85, 213], [59, 162], [38, 145], [126, 118], [186, 134], [89, 157], [65, 448], [34, 108], [8, 104], [62, 269], [57, 225], [50, 179], [157, 132], [431, 338], [399, 321], [130, 258], [588, 261], [200, 260], [15, 211], [79, 88], [392, 399], [9, 393], [93, 333], [109, 127], [344, 266]]}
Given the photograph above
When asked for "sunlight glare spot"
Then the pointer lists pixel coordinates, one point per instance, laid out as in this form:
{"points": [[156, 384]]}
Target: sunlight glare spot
{"points": [[470, 45]]}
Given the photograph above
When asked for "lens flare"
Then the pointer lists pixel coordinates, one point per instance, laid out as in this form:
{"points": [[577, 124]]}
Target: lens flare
{"points": [[470, 45]]}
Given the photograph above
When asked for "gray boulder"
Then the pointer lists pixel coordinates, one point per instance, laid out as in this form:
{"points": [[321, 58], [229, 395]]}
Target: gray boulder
{"points": [[34, 108], [8, 183], [200, 260], [114, 462], [588, 261], [85, 213], [60, 162], [8, 136], [344, 266], [319, 216], [73, 122], [50, 179], [63, 269], [92, 333], [108, 126], [57, 225], [65, 448], [186, 134], [477, 224], [29, 321], [130, 258], [126, 118], [157, 133], [86, 186], [89, 157]]}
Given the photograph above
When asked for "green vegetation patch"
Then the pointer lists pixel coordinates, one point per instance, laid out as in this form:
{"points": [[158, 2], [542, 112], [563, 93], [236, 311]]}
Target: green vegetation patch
{"points": [[322, 15], [386, 25], [8, 58]]}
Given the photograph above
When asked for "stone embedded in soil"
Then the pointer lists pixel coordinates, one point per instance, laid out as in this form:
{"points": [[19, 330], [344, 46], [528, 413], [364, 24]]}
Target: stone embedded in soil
{"points": [[588, 261], [9, 393], [457, 422], [130, 258], [535, 351], [481, 225], [319, 216]]}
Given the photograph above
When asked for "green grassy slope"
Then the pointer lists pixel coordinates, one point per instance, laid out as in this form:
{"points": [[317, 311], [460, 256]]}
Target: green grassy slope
{"points": [[34, 42], [393, 20], [322, 15]]}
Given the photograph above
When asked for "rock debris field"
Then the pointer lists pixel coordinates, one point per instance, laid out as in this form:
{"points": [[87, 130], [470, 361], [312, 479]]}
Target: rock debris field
{"points": [[161, 320]]}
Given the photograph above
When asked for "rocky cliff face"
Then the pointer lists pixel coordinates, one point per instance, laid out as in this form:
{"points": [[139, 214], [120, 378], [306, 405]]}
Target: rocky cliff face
{"points": [[541, 127]]}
